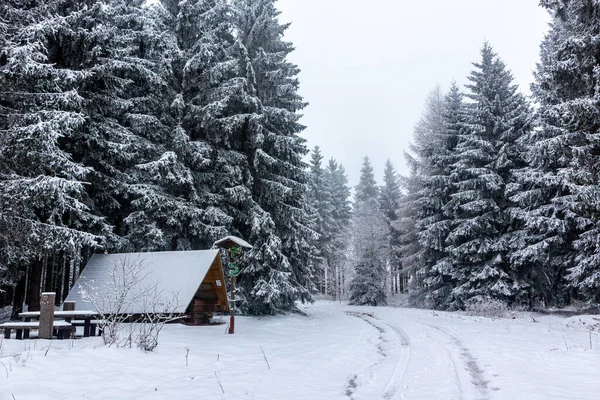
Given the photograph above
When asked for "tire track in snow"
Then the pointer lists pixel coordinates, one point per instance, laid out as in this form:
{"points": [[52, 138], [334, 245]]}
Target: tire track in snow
{"points": [[469, 362], [395, 381], [353, 380], [465, 369]]}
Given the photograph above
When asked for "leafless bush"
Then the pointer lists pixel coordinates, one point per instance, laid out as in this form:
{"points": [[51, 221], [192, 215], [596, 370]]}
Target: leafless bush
{"points": [[159, 309], [114, 300], [126, 295]]}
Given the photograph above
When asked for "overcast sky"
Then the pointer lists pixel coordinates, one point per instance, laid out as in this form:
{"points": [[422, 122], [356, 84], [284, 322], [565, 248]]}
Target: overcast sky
{"points": [[367, 66]]}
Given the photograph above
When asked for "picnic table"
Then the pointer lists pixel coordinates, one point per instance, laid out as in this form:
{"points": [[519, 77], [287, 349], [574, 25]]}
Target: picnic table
{"points": [[62, 328], [69, 316]]}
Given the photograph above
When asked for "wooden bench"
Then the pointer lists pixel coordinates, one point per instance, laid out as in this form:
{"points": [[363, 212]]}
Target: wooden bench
{"points": [[92, 326], [62, 328]]}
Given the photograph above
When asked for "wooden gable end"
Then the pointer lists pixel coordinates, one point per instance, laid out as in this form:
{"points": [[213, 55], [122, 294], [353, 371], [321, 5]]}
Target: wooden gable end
{"points": [[210, 297]]}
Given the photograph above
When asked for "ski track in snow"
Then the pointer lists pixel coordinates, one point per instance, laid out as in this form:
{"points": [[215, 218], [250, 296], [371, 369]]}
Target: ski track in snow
{"points": [[466, 373]]}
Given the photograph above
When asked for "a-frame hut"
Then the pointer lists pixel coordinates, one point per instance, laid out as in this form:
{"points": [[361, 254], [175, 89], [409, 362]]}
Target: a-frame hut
{"points": [[194, 278]]}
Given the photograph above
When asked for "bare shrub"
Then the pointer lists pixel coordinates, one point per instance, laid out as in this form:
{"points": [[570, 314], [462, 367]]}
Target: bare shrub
{"points": [[126, 295], [114, 299], [159, 309]]}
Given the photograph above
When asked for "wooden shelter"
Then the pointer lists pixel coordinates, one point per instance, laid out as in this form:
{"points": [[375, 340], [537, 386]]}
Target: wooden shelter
{"points": [[210, 297], [195, 278]]}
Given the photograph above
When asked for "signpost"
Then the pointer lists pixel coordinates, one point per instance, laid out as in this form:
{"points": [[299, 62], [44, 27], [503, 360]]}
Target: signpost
{"points": [[235, 252], [235, 256]]}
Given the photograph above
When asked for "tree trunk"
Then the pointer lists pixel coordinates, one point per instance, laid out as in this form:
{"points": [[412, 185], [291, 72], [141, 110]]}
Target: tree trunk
{"points": [[18, 297], [326, 267], [49, 275], [66, 277], [35, 286], [57, 280]]}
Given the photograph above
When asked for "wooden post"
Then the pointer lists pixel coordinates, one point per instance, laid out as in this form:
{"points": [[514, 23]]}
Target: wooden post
{"points": [[235, 253], [46, 314], [232, 306], [69, 306]]}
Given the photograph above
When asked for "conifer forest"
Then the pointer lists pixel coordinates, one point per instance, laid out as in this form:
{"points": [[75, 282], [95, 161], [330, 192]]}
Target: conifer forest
{"points": [[136, 126]]}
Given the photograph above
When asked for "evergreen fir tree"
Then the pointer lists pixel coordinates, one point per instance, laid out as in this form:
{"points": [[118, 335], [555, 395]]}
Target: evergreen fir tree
{"points": [[390, 197], [367, 190], [173, 201], [341, 212], [445, 118], [137, 181], [281, 269], [337, 183], [408, 215], [429, 137], [319, 198], [370, 243], [167, 211], [423, 220], [44, 207], [487, 153], [561, 196], [389, 193]]}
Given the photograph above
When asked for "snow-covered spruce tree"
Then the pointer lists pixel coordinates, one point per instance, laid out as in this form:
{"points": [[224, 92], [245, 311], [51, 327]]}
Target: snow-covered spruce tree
{"points": [[225, 118], [390, 197], [168, 201], [44, 209], [562, 196], [320, 199], [370, 243], [438, 131], [367, 190], [215, 113], [419, 202], [487, 152], [429, 149], [141, 182], [279, 268], [405, 225], [341, 212], [337, 182]]}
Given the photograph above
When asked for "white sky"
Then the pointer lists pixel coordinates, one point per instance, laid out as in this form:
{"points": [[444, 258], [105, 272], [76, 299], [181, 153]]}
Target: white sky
{"points": [[367, 66]]}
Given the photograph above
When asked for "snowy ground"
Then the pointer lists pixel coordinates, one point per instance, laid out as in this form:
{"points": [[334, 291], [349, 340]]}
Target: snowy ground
{"points": [[336, 352]]}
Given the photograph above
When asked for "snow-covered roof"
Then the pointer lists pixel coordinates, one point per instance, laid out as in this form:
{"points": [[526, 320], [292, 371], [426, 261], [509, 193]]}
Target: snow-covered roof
{"points": [[234, 239], [177, 273]]}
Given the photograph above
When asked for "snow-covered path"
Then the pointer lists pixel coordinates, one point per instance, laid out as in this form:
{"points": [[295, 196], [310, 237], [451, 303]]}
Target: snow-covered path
{"points": [[425, 361], [336, 352], [452, 356]]}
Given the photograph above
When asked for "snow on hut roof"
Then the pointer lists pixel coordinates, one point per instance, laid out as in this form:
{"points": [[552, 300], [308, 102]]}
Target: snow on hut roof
{"points": [[234, 239], [173, 273]]}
